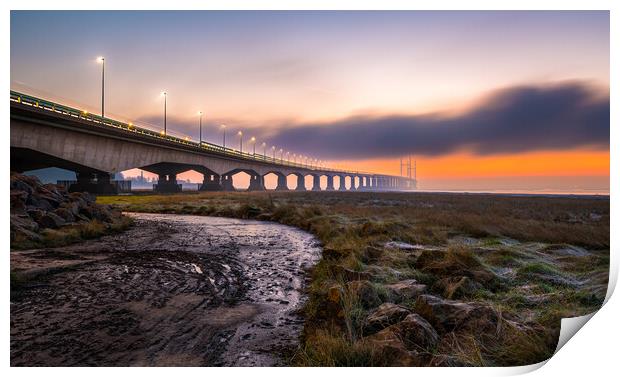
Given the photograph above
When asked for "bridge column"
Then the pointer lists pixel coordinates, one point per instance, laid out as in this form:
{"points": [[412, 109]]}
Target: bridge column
{"points": [[94, 183], [211, 182], [256, 183], [227, 183], [167, 183], [281, 183], [301, 184], [316, 183], [342, 186], [330, 183]]}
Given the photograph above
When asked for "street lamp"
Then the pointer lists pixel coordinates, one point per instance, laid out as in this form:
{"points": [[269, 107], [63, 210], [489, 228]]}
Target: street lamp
{"points": [[101, 60], [264, 151], [165, 104], [223, 127], [273, 149], [253, 141], [281, 151], [200, 138], [240, 141], [288, 157]]}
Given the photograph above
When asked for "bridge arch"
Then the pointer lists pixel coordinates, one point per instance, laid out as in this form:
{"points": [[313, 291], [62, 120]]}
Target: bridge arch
{"points": [[246, 179]]}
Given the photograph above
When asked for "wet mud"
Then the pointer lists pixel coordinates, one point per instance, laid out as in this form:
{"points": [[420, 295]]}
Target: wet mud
{"points": [[172, 291]]}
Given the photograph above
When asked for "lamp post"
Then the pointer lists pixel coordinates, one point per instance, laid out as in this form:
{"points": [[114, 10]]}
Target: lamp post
{"points": [[264, 151], [101, 60], [200, 138], [281, 151], [165, 105], [288, 157], [240, 141], [253, 140], [273, 149], [223, 127]]}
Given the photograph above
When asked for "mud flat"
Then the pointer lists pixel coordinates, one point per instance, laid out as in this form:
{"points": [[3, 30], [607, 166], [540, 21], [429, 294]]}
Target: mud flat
{"points": [[173, 290]]}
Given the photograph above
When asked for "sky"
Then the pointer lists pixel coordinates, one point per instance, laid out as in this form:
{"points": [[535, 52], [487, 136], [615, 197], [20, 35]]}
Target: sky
{"points": [[482, 100]]}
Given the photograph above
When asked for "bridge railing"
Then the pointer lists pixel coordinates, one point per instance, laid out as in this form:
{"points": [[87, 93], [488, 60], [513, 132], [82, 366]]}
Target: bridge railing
{"points": [[132, 128]]}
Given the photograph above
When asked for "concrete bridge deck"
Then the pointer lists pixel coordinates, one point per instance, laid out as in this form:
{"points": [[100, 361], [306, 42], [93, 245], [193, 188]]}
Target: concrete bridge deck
{"points": [[47, 134]]}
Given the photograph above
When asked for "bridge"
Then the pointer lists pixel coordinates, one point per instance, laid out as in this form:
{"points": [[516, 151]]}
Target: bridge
{"points": [[46, 134]]}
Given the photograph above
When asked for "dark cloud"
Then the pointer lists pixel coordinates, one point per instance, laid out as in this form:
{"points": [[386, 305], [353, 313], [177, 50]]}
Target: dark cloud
{"points": [[512, 120]]}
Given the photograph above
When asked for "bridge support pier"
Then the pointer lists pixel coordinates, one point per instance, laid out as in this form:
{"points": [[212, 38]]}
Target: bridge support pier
{"points": [[281, 183], [167, 183], [256, 183], [301, 183], [211, 183], [316, 183], [342, 187], [94, 183], [227, 183], [352, 188], [330, 183]]}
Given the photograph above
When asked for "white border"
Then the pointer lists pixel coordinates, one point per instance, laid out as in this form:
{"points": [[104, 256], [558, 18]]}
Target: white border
{"points": [[593, 351]]}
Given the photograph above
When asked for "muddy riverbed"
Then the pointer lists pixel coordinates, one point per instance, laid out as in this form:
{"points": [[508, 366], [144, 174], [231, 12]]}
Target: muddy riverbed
{"points": [[173, 290]]}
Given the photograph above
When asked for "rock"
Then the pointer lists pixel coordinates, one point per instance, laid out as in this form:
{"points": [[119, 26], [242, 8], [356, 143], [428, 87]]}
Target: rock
{"points": [[37, 202], [448, 315], [457, 287], [365, 293], [350, 275], [405, 290], [18, 200], [417, 332], [65, 214], [41, 206], [51, 220], [22, 228], [35, 213], [385, 315], [393, 350]]}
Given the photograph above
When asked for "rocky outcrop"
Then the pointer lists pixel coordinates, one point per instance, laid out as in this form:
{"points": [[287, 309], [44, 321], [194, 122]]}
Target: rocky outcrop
{"points": [[36, 207]]}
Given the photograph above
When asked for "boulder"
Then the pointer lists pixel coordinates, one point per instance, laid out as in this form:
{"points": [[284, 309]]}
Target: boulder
{"points": [[393, 351], [457, 287], [18, 200], [405, 290], [449, 315], [365, 293], [385, 315], [51, 220], [65, 214], [417, 332], [22, 227]]}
